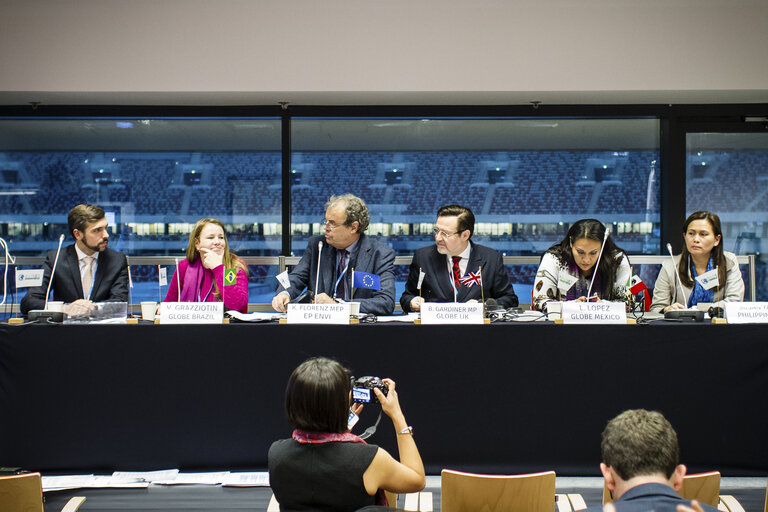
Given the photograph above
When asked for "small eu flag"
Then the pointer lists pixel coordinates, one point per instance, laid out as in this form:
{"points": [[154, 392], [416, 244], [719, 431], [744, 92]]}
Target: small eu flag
{"points": [[366, 280], [230, 276]]}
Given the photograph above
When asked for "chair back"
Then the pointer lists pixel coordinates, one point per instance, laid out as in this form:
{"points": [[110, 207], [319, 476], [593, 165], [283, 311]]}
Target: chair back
{"points": [[703, 487], [21, 493], [460, 492]]}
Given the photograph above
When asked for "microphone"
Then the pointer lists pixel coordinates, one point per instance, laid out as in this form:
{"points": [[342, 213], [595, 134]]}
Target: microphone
{"points": [[319, 257], [677, 273], [597, 265], [53, 316]]}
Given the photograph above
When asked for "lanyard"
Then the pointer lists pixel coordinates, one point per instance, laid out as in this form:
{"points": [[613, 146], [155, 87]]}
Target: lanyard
{"points": [[204, 298], [343, 273]]}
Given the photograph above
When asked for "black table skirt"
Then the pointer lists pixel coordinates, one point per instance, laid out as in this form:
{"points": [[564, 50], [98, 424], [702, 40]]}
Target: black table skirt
{"points": [[499, 398]]}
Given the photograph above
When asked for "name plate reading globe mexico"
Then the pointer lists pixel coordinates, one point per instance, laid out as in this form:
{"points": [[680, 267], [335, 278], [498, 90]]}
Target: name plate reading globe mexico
{"points": [[594, 313], [746, 312], [335, 314], [435, 313], [192, 312]]}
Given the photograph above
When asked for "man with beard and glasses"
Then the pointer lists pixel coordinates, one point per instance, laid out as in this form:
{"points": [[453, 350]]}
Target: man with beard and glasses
{"points": [[87, 271]]}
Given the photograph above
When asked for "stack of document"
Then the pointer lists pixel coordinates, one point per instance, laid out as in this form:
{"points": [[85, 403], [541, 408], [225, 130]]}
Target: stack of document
{"points": [[142, 479]]}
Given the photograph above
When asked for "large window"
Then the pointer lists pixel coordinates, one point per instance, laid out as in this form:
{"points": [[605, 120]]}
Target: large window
{"points": [[525, 180], [727, 173]]}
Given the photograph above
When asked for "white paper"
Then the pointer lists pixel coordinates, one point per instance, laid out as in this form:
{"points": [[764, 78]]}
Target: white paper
{"points": [[162, 276], [257, 479], [594, 312], [58, 483], [256, 316], [29, 277], [422, 275], [211, 478], [406, 319], [435, 313], [146, 476]]}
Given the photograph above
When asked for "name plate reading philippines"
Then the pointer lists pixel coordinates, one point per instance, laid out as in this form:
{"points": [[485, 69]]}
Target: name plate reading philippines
{"points": [[594, 313], [336, 314], [746, 312], [191, 312], [434, 313]]}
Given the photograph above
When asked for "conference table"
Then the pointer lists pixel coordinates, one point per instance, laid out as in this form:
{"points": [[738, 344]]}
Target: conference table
{"points": [[499, 398]]}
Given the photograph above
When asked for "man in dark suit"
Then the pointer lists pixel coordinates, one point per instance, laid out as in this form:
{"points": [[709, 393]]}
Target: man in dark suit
{"points": [[453, 257], [87, 271], [640, 463], [344, 247]]}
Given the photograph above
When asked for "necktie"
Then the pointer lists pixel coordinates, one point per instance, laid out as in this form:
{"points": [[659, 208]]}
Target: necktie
{"points": [[341, 289], [87, 277], [456, 271]]}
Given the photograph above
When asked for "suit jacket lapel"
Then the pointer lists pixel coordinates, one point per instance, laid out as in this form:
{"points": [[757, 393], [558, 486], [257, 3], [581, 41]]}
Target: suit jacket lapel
{"points": [[439, 268], [327, 271], [362, 261], [101, 267], [72, 267]]}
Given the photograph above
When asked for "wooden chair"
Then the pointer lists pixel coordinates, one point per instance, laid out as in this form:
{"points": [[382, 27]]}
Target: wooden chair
{"points": [[702, 487], [533, 492], [24, 493]]}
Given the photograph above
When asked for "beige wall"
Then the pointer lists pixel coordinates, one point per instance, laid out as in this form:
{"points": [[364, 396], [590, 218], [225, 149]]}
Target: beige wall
{"points": [[383, 51]]}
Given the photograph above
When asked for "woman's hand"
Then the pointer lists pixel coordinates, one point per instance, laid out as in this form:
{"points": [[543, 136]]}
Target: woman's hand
{"points": [[389, 403], [676, 305], [210, 259]]}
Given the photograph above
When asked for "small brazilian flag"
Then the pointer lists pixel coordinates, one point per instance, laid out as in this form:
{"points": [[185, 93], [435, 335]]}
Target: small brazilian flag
{"points": [[230, 276]]}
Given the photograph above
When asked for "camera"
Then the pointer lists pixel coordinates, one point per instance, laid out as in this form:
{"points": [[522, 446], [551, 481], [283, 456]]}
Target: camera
{"points": [[362, 389]]}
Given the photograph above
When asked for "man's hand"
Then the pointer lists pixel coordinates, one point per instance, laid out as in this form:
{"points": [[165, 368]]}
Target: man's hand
{"points": [[79, 307], [416, 303], [280, 301], [323, 298]]}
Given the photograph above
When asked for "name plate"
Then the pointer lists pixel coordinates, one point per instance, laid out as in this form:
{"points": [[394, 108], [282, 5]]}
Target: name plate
{"points": [[746, 312], [594, 313], [191, 313], [336, 314], [434, 313]]}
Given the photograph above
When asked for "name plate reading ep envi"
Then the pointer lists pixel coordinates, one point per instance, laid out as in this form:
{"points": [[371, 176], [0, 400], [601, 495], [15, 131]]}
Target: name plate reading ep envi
{"points": [[594, 313], [191, 312], [746, 312], [336, 314], [433, 313]]}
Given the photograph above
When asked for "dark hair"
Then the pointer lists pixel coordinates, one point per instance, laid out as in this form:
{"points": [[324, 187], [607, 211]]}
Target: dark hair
{"points": [[354, 209], [592, 229], [83, 214], [317, 396], [465, 221], [640, 443], [718, 255]]}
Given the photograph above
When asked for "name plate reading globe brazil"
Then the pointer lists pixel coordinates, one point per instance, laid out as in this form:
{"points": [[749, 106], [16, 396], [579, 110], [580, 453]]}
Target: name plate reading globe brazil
{"points": [[332, 314], [437, 313], [191, 313], [594, 312]]}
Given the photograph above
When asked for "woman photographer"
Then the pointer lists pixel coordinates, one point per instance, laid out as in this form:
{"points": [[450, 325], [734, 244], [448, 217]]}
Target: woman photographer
{"points": [[326, 467]]}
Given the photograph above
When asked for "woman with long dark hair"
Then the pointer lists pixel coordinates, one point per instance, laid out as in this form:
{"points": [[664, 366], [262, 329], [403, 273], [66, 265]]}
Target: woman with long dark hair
{"points": [[567, 268], [326, 467], [707, 273]]}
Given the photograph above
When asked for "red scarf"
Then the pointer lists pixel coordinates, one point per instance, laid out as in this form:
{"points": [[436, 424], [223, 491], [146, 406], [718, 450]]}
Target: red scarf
{"points": [[304, 437]]}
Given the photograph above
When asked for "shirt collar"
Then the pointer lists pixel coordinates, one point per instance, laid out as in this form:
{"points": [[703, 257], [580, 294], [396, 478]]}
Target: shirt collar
{"points": [[647, 489], [465, 253], [81, 255], [351, 248]]}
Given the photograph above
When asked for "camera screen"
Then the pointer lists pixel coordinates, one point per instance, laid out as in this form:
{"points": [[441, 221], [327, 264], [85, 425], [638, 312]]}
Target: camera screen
{"points": [[361, 395]]}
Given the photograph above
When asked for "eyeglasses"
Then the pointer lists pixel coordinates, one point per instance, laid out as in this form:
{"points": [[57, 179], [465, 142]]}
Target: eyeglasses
{"points": [[442, 233], [330, 225]]}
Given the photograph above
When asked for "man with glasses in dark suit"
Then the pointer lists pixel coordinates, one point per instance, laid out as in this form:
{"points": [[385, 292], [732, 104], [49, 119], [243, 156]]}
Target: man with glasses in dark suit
{"points": [[345, 246], [454, 266]]}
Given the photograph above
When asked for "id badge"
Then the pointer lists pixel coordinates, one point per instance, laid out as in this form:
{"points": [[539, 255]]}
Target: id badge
{"points": [[708, 280], [565, 281]]}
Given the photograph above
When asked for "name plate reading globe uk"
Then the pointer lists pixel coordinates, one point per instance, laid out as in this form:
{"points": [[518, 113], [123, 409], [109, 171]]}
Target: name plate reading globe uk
{"points": [[594, 313], [746, 312], [192, 312], [335, 314], [435, 313]]}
